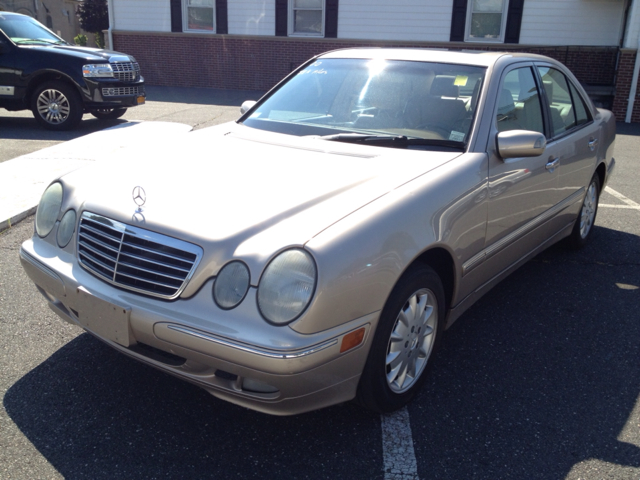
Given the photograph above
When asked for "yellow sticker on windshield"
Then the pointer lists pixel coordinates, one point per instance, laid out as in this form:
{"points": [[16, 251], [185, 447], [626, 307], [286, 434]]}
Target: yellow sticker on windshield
{"points": [[461, 81]]}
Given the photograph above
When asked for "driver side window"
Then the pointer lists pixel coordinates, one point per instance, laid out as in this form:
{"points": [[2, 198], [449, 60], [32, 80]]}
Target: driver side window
{"points": [[519, 102]]}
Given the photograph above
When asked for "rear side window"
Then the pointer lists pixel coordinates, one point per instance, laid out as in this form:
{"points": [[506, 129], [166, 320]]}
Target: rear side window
{"points": [[565, 104], [582, 114]]}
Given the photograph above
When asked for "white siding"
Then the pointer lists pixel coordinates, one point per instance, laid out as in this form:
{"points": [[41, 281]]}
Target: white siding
{"points": [[633, 27], [413, 20], [572, 22], [252, 17], [142, 15]]}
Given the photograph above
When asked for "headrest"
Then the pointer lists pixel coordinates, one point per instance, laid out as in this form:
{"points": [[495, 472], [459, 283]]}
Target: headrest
{"points": [[506, 105], [443, 86], [548, 88]]}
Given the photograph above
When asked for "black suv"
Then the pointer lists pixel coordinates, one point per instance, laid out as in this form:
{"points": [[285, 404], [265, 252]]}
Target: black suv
{"points": [[59, 82]]}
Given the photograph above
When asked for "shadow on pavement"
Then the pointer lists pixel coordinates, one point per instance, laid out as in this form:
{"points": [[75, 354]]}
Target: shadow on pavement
{"points": [[26, 128], [537, 377], [94, 413], [541, 374], [628, 129]]}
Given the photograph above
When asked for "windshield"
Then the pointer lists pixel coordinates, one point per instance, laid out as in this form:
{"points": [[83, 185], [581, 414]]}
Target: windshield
{"points": [[25, 30], [431, 102]]}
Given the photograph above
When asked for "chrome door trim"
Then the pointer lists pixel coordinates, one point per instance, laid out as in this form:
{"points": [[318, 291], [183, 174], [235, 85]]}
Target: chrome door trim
{"points": [[520, 232]]}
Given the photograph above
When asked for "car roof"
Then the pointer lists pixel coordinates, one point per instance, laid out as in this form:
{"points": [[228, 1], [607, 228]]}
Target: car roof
{"points": [[469, 57]]}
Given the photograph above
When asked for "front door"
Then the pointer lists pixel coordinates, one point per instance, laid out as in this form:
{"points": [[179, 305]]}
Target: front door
{"points": [[523, 192]]}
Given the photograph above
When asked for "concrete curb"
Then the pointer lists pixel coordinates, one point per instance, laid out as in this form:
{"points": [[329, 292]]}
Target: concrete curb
{"points": [[23, 179]]}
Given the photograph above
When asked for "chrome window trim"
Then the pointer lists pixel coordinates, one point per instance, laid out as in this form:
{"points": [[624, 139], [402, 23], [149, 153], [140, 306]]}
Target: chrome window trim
{"points": [[282, 355], [504, 242]]}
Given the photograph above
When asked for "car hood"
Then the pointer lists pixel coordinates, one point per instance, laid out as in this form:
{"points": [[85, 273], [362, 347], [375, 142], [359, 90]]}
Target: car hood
{"points": [[86, 53], [241, 197]]}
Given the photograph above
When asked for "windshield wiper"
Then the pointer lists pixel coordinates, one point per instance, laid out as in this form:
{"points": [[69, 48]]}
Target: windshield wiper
{"points": [[399, 141]]}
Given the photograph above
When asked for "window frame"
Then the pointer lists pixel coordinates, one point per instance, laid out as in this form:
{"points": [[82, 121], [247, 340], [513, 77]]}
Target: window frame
{"points": [[503, 25], [185, 19], [292, 16]]}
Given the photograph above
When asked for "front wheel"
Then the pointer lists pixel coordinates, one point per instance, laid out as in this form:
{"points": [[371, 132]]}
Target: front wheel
{"points": [[57, 106], [108, 113], [408, 334], [583, 227]]}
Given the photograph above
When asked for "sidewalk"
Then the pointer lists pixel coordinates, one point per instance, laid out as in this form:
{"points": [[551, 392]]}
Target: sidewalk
{"points": [[23, 179]]}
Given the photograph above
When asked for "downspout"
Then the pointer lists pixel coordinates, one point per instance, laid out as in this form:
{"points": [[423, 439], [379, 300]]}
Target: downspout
{"points": [[111, 22], [634, 86]]}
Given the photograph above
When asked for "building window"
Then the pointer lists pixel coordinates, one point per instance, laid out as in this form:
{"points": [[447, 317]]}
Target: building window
{"points": [[199, 16], [486, 20], [306, 17]]}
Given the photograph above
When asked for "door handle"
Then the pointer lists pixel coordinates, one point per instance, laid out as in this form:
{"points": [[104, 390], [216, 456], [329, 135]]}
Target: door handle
{"points": [[593, 143], [552, 164]]}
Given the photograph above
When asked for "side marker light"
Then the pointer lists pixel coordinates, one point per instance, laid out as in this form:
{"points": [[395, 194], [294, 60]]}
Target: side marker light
{"points": [[352, 340]]}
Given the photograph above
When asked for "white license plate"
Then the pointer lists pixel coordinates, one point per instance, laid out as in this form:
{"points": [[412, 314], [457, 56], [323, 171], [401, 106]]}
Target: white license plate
{"points": [[104, 318]]}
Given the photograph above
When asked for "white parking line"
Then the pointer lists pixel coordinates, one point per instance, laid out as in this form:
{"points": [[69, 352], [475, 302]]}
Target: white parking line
{"points": [[397, 447], [630, 204]]}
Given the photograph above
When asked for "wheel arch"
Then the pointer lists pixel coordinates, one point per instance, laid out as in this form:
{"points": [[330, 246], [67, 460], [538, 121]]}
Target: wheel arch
{"points": [[46, 76], [441, 261]]}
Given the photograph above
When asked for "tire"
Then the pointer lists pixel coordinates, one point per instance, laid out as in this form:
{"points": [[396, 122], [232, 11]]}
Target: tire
{"points": [[108, 113], [57, 106], [583, 228], [408, 333]]}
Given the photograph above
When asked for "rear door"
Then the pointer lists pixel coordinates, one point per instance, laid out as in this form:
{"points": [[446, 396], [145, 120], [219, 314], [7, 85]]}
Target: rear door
{"points": [[573, 135]]}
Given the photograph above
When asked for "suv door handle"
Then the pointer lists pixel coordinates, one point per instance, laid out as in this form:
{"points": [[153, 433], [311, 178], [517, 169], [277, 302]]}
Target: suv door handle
{"points": [[593, 143], [552, 164]]}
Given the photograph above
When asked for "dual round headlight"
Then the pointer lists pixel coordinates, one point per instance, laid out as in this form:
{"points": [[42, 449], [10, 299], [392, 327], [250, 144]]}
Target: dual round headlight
{"points": [[285, 289], [48, 209], [48, 212], [287, 286]]}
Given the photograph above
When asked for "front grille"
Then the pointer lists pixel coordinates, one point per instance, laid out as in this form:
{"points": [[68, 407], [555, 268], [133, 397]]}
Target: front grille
{"points": [[118, 92], [135, 258], [126, 71]]}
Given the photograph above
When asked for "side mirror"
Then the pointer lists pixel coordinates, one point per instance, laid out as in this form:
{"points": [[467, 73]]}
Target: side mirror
{"points": [[246, 106], [520, 143]]}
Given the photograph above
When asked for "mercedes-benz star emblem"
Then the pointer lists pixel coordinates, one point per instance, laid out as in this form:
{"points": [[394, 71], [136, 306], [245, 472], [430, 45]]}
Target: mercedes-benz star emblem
{"points": [[139, 196]]}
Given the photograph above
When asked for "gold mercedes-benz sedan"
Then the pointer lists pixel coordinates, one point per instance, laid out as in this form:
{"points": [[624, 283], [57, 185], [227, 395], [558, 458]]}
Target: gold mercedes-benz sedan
{"points": [[315, 251]]}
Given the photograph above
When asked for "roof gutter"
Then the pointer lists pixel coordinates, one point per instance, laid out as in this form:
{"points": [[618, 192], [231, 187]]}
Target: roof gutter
{"points": [[111, 22]]}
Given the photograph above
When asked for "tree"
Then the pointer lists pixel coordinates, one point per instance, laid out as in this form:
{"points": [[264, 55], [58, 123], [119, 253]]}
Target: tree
{"points": [[94, 18]]}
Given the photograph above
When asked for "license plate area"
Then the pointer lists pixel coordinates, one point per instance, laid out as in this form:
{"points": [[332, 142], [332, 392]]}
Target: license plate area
{"points": [[104, 318]]}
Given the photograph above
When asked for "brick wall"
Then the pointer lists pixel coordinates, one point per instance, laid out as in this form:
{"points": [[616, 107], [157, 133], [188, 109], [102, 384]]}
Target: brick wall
{"points": [[258, 63], [623, 87]]}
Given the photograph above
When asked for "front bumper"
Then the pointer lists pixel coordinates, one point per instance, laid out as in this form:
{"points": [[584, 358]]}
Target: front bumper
{"points": [[101, 93], [179, 337]]}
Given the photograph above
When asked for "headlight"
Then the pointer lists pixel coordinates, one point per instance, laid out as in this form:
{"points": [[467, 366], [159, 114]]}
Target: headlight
{"points": [[48, 209], [97, 70], [66, 228], [287, 286], [231, 285]]}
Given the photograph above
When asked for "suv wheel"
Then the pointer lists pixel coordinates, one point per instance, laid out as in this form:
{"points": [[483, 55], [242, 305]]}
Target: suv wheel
{"points": [[57, 106]]}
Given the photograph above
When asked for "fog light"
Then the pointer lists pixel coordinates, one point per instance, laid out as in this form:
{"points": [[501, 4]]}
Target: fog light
{"points": [[251, 385]]}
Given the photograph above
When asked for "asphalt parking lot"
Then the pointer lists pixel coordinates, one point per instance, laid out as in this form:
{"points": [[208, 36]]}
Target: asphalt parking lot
{"points": [[540, 379]]}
